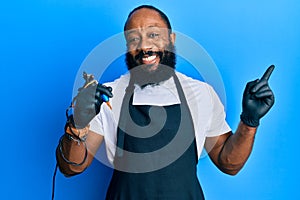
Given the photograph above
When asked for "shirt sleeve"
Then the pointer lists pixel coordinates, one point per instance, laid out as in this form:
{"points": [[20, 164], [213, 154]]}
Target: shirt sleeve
{"points": [[96, 125], [217, 122]]}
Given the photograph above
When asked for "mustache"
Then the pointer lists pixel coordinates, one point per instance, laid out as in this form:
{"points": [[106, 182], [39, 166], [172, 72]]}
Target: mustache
{"points": [[141, 54]]}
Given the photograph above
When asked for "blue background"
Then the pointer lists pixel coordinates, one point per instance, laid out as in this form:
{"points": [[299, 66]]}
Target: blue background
{"points": [[43, 43]]}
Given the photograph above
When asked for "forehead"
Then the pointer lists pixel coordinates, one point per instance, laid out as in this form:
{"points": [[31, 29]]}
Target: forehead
{"points": [[144, 18]]}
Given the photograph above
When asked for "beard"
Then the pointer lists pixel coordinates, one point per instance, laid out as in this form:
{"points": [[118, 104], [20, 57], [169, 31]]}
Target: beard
{"points": [[143, 77]]}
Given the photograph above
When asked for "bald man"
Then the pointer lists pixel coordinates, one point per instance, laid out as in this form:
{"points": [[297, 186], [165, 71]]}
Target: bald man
{"points": [[160, 120]]}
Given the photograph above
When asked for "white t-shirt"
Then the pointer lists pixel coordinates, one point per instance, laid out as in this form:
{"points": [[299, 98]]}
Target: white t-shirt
{"points": [[206, 108]]}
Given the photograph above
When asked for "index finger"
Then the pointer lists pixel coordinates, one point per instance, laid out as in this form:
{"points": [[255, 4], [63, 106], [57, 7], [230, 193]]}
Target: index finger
{"points": [[268, 73]]}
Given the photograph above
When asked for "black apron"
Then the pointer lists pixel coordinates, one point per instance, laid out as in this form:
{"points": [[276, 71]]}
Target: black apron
{"points": [[145, 172]]}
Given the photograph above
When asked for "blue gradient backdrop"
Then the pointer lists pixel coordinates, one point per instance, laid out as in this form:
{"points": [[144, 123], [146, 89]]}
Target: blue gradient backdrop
{"points": [[43, 43]]}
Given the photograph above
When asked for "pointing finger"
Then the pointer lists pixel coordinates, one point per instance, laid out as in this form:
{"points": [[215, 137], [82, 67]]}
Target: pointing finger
{"points": [[268, 73]]}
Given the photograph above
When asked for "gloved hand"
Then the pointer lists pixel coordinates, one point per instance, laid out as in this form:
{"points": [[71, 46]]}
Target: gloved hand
{"points": [[258, 99], [88, 102]]}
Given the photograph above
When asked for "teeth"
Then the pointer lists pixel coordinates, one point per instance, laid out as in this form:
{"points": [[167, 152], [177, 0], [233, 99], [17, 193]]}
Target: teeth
{"points": [[149, 59]]}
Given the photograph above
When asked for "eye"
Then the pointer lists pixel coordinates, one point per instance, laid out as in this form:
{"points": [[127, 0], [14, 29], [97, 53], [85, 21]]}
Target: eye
{"points": [[153, 35], [132, 42], [133, 39]]}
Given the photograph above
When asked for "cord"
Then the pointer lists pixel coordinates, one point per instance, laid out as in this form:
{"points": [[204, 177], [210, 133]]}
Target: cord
{"points": [[53, 181]]}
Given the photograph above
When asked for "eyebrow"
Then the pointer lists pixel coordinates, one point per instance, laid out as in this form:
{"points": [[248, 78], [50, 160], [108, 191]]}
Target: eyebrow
{"points": [[150, 26], [130, 31]]}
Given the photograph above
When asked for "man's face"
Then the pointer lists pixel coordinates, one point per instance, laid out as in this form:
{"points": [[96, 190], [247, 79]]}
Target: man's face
{"points": [[149, 42]]}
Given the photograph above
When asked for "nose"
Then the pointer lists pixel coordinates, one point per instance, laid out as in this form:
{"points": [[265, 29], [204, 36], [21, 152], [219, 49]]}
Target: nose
{"points": [[145, 44]]}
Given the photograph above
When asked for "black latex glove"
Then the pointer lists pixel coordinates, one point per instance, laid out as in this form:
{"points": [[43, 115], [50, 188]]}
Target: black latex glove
{"points": [[88, 102], [258, 99]]}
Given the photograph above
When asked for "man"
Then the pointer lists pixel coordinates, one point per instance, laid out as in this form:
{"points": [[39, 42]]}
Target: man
{"points": [[160, 120]]}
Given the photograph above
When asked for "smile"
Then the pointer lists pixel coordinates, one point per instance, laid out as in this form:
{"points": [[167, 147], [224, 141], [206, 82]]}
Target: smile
{"points": [[149, 59]]}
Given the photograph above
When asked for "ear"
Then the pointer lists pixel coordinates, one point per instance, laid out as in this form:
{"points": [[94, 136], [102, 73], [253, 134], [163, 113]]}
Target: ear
{"points": [[173, 38]]}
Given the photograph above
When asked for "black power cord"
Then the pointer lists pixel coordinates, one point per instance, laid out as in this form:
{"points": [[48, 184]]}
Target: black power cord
{"points": [[53, 181]]}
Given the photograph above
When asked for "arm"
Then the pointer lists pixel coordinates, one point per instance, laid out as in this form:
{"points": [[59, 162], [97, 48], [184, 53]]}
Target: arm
{"points": [[229, 152], [75, 152], [77, 147]]}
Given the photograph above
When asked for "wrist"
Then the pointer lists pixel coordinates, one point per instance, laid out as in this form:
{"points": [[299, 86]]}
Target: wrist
{"points": [[79, 134], [247, 128], [249, 120]]}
